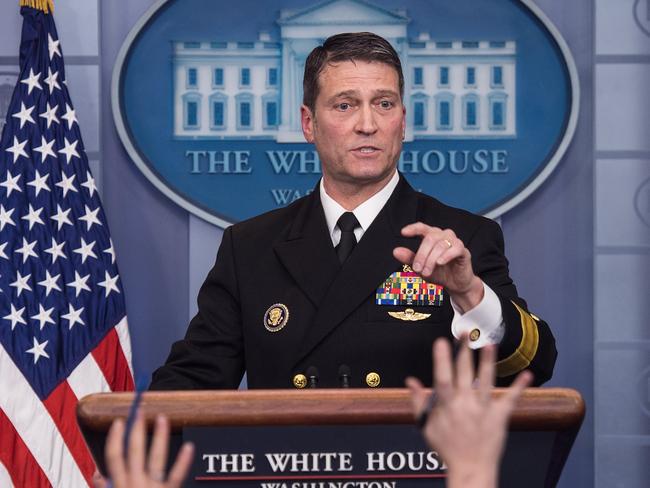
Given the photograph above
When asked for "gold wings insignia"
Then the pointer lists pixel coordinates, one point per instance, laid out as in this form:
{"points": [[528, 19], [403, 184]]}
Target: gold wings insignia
{"points": [[409, 315]]}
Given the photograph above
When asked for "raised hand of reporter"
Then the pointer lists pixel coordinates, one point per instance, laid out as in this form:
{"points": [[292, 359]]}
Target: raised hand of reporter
{"points": [[466, 425], [134, 471]]}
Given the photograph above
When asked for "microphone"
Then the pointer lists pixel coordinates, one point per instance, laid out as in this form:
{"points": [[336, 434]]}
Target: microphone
{"points": [[344, 376], [312, 377]]}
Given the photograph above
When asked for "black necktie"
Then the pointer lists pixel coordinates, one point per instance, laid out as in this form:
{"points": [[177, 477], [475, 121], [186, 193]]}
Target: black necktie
{"points": [[347, 223]]}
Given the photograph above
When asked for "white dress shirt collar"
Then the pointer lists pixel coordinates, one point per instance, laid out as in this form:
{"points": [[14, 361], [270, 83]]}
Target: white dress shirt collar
{"points": [[365, 213]]}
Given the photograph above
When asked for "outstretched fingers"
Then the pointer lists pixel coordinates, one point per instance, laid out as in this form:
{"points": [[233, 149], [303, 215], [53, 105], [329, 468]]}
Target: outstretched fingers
{"points": [[181, 466], [159, 447], [115, 455], [443, 370], [464, 365], [417, 229], [137, 444], [512, 394], [418, 394], [486, 372]]}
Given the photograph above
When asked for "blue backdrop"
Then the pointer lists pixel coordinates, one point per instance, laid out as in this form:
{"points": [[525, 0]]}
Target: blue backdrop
{"points": [[579, 247]]}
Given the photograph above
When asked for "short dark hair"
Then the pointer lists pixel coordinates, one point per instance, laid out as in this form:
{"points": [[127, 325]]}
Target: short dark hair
{"points": [[350, 46]]}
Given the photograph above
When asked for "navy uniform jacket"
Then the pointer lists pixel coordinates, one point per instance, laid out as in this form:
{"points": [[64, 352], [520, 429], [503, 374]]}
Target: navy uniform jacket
{"points": [[286, 257]]}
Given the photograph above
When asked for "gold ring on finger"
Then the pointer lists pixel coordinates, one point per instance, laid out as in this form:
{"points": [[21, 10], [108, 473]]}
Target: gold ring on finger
{"points": [[448, 242]]}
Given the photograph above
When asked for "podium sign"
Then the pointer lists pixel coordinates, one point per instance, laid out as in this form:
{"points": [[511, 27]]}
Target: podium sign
{"points": [[332, 438], [342, 456], [313, 456]]}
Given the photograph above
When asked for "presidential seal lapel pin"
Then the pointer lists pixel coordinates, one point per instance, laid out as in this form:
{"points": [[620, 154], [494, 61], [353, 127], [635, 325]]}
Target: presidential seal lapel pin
{"points": [[276, 317]]}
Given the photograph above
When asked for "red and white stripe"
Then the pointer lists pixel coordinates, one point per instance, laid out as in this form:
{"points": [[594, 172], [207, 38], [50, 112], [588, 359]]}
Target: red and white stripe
{"points": [[40, 443]]}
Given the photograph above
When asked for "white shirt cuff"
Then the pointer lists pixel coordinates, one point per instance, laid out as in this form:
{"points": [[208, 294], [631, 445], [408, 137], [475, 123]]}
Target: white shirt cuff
{"points": [[486, 318]]}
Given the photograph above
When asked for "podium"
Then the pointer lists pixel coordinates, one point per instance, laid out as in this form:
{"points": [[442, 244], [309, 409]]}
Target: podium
{"points": [[367, 428]]}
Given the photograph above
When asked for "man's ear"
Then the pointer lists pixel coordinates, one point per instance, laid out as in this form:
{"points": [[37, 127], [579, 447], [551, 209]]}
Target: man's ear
{"points": [[307, 121]]}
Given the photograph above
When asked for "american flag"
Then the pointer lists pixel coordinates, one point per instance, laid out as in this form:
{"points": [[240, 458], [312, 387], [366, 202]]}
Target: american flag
{"points": [[63, 328]]}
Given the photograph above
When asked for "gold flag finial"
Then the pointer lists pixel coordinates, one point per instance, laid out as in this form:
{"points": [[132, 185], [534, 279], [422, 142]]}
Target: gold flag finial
{"points": [[46, 6]]}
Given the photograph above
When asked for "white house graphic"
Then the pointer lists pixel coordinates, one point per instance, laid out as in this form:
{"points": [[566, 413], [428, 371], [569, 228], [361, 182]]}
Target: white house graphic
{"points": [[253, 89]]}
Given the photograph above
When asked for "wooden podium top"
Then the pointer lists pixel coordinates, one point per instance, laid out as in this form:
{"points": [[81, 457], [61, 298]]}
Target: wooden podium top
{"points": [[548, 420], [539, 409]]}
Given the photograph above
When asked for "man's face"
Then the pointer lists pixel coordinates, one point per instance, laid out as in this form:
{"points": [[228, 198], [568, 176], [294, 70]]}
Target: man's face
{"points": [[358, 124]]}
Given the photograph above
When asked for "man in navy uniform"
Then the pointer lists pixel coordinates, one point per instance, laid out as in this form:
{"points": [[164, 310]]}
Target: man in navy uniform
{"points": [[351, 284]]}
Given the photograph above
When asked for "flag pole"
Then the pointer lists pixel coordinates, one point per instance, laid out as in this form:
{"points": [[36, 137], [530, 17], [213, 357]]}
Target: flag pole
{"points": [[46, 6]]}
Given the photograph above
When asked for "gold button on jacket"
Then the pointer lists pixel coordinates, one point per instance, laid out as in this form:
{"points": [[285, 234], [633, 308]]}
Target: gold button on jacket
{"points": [[373, 379], [300, 381]]}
